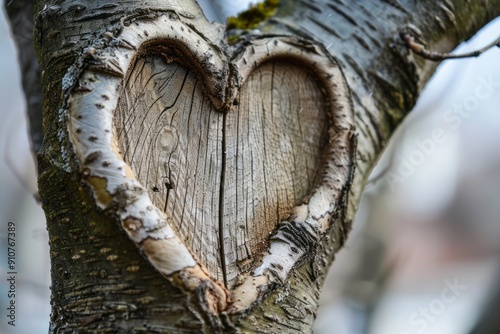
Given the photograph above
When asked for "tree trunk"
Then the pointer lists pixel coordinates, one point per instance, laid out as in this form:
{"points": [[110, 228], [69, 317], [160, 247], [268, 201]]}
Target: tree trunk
{"points": [[233, 171]]}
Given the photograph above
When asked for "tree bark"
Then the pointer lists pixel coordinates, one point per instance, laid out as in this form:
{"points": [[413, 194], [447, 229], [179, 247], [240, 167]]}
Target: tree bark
{"points": [[228, 275]]}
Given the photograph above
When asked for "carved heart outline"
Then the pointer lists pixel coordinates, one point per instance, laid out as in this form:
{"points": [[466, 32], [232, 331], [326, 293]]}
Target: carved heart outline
{"points": [[90, 103]]}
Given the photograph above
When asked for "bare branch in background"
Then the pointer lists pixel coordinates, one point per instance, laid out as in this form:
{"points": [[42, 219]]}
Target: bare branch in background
{"points": [[20, 14], [414, 40]]}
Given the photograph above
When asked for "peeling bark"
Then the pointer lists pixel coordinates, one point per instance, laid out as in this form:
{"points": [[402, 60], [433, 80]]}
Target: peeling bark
{"points": [[229, 167]]}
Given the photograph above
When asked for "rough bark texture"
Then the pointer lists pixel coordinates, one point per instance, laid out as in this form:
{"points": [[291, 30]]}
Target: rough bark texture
{"points": [[100, 281]]}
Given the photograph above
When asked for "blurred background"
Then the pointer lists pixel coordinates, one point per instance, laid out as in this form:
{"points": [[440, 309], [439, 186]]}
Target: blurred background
{"points": [[424, 253]]}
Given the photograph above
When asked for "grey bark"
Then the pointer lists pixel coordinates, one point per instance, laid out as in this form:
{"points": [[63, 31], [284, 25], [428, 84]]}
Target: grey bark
{"points": [[100, 281], [20, 14]]}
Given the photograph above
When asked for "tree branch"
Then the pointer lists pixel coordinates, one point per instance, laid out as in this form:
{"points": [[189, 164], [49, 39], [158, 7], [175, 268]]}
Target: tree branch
{"points": [[20, 13], [415, 41]]}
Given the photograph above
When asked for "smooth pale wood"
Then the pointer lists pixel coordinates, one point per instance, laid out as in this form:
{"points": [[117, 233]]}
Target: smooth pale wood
{"points": [[275, 138], [173, 138]]}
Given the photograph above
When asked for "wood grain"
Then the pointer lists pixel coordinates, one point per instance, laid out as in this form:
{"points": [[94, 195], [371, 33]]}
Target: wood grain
{"points": [[274, 141], [266, 153], [172, 138]]}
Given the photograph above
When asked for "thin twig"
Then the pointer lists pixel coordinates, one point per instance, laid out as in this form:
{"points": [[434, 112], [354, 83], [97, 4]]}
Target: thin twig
{"points": [[414, 40]]}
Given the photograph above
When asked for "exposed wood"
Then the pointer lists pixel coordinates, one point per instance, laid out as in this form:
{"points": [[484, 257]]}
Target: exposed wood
{"points": [[180, 156], [275, 153], [171, 136]]}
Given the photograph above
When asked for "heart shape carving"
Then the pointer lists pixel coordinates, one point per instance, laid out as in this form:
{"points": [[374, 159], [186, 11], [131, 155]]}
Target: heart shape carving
{"points": [[223, 169], [224, 179]]}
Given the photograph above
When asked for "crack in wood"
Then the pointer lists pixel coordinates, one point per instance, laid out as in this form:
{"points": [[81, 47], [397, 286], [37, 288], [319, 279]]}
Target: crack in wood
{"points": [[222, 253]]}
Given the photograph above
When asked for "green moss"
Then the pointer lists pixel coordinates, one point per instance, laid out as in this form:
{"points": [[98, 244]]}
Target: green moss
{"points": [[254, 15]]}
